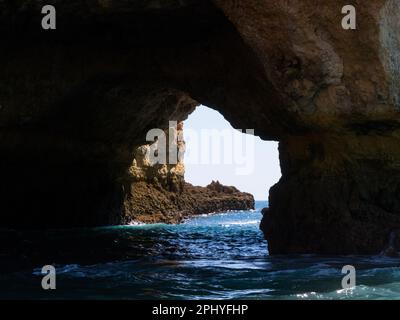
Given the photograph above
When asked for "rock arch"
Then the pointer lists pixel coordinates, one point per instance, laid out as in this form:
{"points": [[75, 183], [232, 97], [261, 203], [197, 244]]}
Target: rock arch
{"points": [[76, 101]]}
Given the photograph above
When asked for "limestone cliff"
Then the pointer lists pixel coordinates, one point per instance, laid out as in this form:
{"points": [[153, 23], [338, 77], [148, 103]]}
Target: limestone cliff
{"points": [[75, 104], [161, 162]]}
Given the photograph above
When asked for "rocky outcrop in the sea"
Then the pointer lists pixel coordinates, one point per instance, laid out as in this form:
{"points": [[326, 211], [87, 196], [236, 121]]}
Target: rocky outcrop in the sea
{"points": [[75, 104], [150, 203]]}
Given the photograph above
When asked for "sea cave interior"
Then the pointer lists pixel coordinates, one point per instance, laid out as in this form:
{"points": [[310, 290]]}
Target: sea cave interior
{"points": [[79, 192]]}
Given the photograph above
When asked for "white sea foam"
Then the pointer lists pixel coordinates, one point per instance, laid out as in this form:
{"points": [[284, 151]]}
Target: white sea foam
{"points": [[136, 223], [240, 223]]}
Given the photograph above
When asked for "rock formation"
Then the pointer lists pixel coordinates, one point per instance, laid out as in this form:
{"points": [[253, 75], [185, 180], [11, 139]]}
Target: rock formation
{"points": [[150, 203], [77, 101], [159, 193]]}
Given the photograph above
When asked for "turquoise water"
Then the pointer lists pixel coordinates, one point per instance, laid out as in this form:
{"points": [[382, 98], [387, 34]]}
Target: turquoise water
{"points": [[222, 256]]}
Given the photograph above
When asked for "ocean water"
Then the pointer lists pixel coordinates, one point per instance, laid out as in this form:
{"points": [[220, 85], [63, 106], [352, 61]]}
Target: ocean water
{"points": [[221, 256]]}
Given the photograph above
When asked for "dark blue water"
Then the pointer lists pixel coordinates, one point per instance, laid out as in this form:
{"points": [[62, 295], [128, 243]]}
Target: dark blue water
{"points": [[221, 256]]}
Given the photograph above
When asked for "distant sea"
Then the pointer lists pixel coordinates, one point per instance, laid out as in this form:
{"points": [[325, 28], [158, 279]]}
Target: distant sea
{"points": [[221, 256]]}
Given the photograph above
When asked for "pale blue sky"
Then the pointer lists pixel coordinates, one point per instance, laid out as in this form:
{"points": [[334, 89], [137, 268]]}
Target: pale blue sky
{"points": [[259, 158]]}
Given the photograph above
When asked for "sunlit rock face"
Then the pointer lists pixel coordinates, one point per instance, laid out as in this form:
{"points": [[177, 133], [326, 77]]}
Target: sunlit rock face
{"points": [[161, 162], [77, 102], [158, 191]]}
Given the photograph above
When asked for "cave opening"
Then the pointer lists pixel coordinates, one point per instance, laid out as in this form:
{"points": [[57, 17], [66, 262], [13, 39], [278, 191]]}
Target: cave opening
{"points": [[199, 164], [215, 151]]}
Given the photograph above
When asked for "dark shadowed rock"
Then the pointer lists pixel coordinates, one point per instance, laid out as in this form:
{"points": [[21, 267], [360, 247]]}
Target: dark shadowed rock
{"points": [[76, 104]]}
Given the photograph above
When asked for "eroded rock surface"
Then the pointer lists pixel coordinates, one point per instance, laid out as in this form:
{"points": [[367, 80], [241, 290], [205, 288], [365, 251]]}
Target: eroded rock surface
{"points": [[76, 103]]}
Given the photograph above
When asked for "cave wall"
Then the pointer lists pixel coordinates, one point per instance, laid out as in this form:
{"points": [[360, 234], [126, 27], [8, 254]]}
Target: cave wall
{"points": [[77, 101], [338, 192]]}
